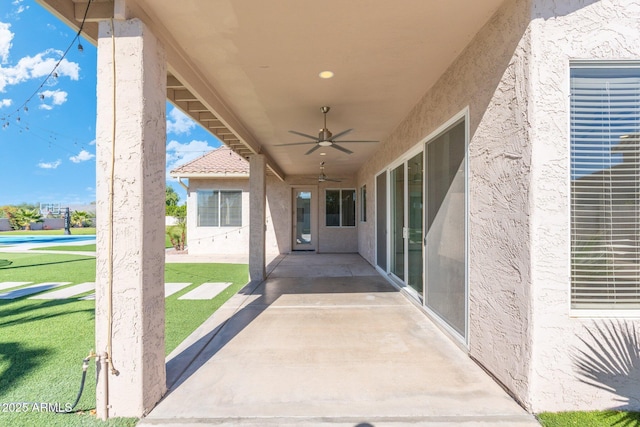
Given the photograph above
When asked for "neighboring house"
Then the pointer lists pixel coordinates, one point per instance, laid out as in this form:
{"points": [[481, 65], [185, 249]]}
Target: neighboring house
{"points": [[218, 204], [490, 116]]}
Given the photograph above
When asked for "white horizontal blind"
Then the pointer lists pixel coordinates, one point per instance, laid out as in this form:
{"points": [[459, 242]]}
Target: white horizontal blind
{"points": [[605, 179]]}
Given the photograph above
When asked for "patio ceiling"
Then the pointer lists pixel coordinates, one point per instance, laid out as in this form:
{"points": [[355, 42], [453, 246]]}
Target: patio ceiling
{"points": [[248, 69]]}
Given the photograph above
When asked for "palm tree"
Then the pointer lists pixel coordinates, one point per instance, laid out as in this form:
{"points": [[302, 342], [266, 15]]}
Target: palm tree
{"points": [[80, 218], [26, 217]]}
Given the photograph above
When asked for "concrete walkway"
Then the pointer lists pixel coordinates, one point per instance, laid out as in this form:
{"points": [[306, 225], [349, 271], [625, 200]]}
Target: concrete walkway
{"points": [[341, 348]]}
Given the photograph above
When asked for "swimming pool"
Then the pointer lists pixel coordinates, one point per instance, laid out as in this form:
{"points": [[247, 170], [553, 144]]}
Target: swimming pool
{"points": [[15, 240]]}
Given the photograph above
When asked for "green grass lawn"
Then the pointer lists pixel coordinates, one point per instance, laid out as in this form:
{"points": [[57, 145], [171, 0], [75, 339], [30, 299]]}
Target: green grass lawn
{"points": [[80, 248], [42, 343], [590, 419]]}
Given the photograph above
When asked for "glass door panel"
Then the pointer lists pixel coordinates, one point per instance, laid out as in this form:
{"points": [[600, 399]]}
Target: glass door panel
{"points": [[445, 221], [397, 222], [381, 220], [303, 238], [415, 256]]}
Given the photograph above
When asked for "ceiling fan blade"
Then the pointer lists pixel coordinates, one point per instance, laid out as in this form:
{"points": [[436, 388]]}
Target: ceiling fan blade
{"points": [[356, 141], [315, 138], [312, 150], [337, 147], [344, 132], [332, 180], [294, 143]]}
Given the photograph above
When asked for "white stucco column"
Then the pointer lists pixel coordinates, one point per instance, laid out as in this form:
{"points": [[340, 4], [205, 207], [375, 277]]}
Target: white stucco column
{"points": [[130, 311], [257, 209]]}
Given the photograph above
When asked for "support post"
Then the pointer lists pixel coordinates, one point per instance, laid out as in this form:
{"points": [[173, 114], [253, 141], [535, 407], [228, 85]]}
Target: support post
{"points": [[258, 209], [130, 175]]}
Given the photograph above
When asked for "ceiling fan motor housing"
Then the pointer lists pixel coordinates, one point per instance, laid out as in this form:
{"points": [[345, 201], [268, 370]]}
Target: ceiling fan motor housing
{"points": [[324, 137]]}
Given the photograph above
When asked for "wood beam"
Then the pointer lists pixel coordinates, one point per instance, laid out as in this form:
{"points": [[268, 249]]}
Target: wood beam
{"points": [[98, 11]]}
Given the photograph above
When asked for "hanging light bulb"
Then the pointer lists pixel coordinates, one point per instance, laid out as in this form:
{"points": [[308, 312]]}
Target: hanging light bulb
{"points": [[80, 47]]}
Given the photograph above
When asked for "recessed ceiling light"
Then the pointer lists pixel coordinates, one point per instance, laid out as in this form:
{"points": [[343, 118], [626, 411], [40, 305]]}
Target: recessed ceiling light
{"points": [[326, 74], [323, 154]]}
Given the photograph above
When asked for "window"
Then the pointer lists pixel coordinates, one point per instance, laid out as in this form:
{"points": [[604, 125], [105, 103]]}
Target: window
{"points": [[605, 179], [363, 203], [219, 208], [340, 208]]}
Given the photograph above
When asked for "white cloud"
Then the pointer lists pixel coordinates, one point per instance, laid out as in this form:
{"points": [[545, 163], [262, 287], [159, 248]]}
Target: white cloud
{"points": [[5, 102], [92, 142], [179, 123], [49, 165], [5, 41], [57, 97], [82, 156], [179, 153], [37, 66], [19, 7]]}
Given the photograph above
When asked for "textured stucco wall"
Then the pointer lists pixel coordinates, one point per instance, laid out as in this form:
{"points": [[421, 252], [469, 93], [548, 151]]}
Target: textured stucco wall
{"points": [[138, 215], [336, 239], [488, 78], [235, 240], [225, 240], [560, 32], [513, 77], [330, 239]]}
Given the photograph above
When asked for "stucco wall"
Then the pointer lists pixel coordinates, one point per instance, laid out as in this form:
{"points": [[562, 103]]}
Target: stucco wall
{"points": [[223, 240], [330, 239], [488, 78], [513, 78], [235, 240], [560, 32]]}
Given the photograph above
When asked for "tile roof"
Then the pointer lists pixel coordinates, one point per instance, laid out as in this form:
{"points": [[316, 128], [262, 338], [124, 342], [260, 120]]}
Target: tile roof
{"points": [[219, 161]]}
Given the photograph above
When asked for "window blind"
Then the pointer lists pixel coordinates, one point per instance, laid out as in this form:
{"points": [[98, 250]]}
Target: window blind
{"points": [[605, 178]]}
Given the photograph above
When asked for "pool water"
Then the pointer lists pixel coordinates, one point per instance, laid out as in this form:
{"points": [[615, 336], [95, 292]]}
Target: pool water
{"points": [[15, 240]]}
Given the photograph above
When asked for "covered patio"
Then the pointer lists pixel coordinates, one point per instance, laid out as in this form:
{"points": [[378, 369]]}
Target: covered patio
{"points": [[444, 163], [326, 340]]}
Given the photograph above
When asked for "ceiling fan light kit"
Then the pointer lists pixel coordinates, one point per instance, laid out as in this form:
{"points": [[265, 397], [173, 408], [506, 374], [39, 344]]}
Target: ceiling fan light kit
{"points": [[325, 138]]}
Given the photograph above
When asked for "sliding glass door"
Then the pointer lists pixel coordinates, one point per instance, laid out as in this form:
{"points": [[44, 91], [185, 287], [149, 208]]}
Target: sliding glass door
{"points": [[406, 219], [397, 262], [446, 292], [421, 225]]}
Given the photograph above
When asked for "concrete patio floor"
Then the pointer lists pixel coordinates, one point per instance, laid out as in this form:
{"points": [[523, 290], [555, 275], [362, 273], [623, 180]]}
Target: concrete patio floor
{"points": [[326, 340]]}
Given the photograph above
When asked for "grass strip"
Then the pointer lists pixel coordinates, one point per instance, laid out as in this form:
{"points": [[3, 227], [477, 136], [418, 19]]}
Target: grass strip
{"points": [[78, 248], [589, 419]]}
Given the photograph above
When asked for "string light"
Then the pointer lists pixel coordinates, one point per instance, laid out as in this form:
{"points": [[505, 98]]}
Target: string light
{"points": [[53, 73]]}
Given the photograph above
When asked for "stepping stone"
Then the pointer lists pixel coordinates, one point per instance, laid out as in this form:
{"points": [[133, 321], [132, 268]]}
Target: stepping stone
{"points": [[206, 291], [67, 292], [7, 285], [172, 288], [30, 290], [169, 289]]}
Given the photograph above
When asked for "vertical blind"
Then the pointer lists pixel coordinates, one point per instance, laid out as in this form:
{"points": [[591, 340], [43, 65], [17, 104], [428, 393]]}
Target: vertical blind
{"points": [[605, 178]]}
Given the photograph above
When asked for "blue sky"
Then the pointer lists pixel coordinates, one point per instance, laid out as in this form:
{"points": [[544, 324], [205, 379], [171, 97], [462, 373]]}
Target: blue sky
{"points": [[47, 150]]}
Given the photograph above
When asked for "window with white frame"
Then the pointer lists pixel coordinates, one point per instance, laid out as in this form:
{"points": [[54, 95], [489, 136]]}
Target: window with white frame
{"points": [[218, 208], [605, 183], [340, 208]]}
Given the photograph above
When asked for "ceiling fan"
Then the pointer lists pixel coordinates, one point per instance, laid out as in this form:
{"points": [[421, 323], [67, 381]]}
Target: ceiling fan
{"points": [[324, 138], [323, 178]]}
